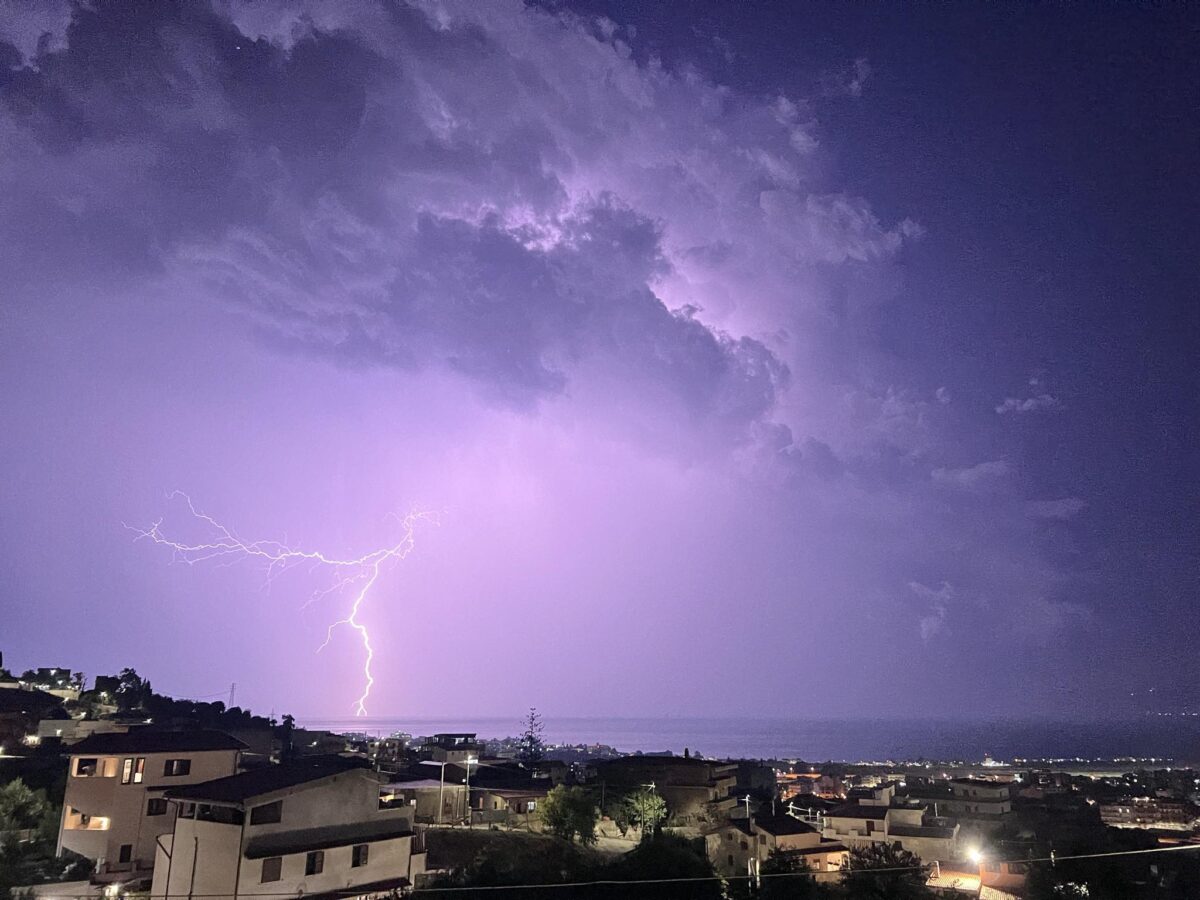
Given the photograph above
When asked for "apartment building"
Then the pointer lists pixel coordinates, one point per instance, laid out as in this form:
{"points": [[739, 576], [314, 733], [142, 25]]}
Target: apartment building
{"points": [[313, 827], [741, 846], [912, 827], [114, 809]]}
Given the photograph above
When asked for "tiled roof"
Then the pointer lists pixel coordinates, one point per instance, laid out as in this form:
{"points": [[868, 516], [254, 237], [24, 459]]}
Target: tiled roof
{"points": [[246, 785], [146, 740]]}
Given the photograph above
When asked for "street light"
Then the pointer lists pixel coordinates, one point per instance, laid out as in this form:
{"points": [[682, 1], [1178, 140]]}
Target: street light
{"points": [[467, 794], [975, 855]]}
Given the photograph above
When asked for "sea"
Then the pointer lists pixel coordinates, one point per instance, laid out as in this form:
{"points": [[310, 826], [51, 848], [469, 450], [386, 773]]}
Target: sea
{"points": [[1172, 738]]}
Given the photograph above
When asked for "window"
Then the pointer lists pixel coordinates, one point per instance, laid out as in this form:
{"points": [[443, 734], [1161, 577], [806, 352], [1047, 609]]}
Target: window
{"points": [[125, 854], [85, 767], [132, 770], [173, 767], [272, 869], [156, 806], [358, 856], [267, 814], [314, 863]]}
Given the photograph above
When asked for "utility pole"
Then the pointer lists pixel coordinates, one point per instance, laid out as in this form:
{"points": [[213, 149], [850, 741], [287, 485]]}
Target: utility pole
{"points": [[232, 691]]}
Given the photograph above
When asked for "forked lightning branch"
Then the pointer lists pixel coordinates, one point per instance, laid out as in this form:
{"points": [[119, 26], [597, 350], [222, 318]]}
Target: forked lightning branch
{"points": [[350, 576]]}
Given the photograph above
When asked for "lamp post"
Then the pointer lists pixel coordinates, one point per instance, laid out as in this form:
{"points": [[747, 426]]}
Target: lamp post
{"points": [[642, 808], [467, 794]]}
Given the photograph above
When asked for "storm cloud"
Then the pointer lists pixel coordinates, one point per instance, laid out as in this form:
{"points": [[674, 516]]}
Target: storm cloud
{"points": [[557, 277]]}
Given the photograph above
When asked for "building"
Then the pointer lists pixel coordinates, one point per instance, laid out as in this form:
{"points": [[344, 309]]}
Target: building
{"points": [[313, 827], [981, 806], [432, 800], [71, 731], [933, 838], [454, 748], [695, 790], [507, 806], [741, 846], [980, 798], [114, 808], [811, 784], [1149, 812], [389, 754]]}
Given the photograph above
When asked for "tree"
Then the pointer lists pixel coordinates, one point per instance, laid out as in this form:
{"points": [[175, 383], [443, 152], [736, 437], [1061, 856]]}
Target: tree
{"points": [[784, 877], [532, 749], [132, 690], [21, 807], [644, 808], [663, 856], [885, 872], [570, 811]]}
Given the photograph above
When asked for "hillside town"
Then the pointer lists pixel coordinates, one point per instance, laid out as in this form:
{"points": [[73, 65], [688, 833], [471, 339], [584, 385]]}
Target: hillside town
{"points": [[108, 789]]}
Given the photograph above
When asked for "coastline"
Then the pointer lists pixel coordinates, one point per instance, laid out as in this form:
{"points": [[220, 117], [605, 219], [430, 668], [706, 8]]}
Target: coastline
{"points": [[841, 740]]}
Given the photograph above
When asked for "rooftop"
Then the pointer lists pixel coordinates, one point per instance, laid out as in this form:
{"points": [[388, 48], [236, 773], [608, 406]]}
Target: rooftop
{"points": [[822, 847], [145, 740], [857, 811], [246, 785], [930, 831], [780, 825]]}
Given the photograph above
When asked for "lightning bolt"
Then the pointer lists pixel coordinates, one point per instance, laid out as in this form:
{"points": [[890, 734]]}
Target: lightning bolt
{"points": [[225, 547]]}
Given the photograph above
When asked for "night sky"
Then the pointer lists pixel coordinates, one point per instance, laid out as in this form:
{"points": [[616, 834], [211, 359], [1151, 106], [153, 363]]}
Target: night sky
{"points": [[799, 359]]}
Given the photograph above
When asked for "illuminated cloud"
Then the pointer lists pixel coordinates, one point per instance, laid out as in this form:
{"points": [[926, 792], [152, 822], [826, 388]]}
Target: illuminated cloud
{"points": [[972, 477], [622, 318], [1028, 404]]}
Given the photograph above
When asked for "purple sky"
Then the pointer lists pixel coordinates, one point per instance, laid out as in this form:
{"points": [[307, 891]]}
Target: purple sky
{"points": [[732, 394]]}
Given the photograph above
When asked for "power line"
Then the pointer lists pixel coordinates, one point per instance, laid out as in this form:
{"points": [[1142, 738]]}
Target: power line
{"points": [[612, 882]]}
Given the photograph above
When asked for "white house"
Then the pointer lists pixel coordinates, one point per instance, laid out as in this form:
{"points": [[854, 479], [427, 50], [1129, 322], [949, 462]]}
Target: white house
{"points": [[315, 826], [113, 808], [741, 846], [861, 825]]}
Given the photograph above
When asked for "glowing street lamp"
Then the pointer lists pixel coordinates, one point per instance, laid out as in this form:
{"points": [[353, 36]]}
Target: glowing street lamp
{"points": [[467, 793]]}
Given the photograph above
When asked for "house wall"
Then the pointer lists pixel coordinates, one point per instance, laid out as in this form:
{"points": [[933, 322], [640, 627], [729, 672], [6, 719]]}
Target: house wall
{"points": [[426, 807], [351, 796], [199, 860], [216, 848], [385, 859], [124, 805]]}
